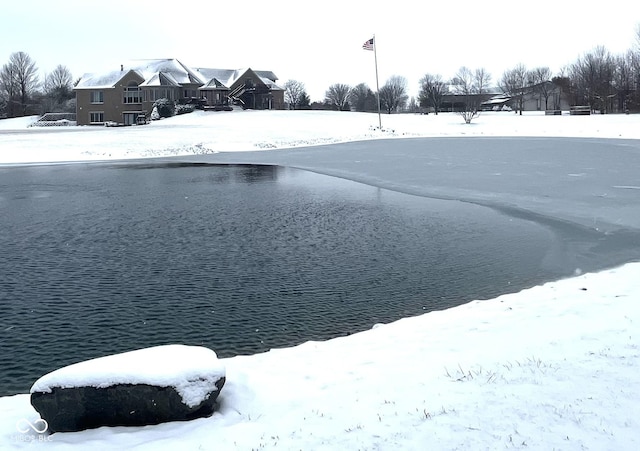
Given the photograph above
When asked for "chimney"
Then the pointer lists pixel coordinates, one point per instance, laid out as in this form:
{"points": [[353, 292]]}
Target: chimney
{"points": [[121, 67]]}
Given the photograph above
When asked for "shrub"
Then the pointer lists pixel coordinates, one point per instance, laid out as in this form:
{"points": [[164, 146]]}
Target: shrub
{"points": [[165, 107], [182, 109]]}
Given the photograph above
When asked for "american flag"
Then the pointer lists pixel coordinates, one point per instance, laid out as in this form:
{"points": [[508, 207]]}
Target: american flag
{"points": [[368, 45]]}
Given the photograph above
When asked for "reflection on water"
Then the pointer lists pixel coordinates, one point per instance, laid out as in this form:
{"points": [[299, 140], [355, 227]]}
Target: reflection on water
{"points": [[108, 258], [230, 173]]}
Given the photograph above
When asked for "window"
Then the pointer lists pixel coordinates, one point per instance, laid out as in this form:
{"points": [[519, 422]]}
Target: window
{"points": [[96, 117], [97, 97], [132, 94], [153, 94], [150, 95]]}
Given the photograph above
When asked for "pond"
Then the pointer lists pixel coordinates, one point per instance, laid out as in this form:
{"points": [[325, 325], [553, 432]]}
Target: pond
{"points": [[105, 258]]}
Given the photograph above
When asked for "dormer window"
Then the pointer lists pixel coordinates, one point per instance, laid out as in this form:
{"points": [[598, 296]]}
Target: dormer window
{"points": [[132, 93]]}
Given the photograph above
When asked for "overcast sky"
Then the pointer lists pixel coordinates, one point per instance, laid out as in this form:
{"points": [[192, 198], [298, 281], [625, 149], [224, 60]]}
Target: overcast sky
{"points": [[318, 43]]}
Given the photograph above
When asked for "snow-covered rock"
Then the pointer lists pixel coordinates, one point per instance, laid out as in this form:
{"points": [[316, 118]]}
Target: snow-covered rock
{"points": [[147, 386]]}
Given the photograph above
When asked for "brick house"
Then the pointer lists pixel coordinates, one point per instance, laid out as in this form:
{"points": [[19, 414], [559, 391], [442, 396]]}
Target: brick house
{"points": [[122, 96]]}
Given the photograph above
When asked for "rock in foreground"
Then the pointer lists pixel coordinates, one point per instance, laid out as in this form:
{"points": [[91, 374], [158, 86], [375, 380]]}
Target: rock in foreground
{"points": [[143, 387]]}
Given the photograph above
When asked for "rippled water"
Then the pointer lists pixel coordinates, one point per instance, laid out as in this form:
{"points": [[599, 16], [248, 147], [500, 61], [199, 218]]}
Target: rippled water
{"points": [[98, 259]]}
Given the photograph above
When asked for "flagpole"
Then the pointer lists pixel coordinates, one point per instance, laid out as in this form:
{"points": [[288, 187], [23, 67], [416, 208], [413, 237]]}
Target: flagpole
{"points": [[375, 58]]}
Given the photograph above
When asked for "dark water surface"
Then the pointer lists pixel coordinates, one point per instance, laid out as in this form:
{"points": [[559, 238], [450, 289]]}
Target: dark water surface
{"points": [[98, 259]]}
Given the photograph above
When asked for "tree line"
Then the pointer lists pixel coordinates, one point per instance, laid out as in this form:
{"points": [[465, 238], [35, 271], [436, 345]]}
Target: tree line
{"points": [[342, 97], [603, 81], [598, 78], [23, 92]]}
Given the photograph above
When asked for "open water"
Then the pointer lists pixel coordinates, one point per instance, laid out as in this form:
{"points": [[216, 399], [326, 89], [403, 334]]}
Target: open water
{"points": [[105, 258]]}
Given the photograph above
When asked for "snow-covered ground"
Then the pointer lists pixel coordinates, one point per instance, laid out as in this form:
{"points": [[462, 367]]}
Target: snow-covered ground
{"points": [[551, 367], [200, 133]]}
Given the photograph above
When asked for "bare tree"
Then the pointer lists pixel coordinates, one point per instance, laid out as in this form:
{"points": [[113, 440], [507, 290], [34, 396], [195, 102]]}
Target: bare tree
{"points": [[592, 78], [57, 92], [541, 84], [25, 77], [624, 80], [338, 95], [464, 85], [8, 89], [432, 90], [482, 80], [515, 82], [635, 63], [58, 84], [293, 93], [362, 98], [393, 95]]}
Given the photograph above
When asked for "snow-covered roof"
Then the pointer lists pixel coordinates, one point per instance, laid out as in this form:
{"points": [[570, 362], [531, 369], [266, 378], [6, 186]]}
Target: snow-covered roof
{"points": [[156, 72], [497, 100], [229, 76], [171, 72], [173, 68], [102, 80], [214, 83], [266, 74], [271, 84], [160, 79], [224, 76]]}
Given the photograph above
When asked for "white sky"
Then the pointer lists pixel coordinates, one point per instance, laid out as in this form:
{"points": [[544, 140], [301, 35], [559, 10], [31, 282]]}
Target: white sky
{"points": [[319, 43]]}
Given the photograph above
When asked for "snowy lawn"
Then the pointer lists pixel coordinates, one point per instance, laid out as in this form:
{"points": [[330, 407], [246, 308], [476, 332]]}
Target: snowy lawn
{"points": [[210, 132], [551, 367]]}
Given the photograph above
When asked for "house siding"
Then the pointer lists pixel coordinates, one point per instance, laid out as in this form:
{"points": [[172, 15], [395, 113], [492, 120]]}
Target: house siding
{"points": [[535, 101], [113, 106], [278, 99]]}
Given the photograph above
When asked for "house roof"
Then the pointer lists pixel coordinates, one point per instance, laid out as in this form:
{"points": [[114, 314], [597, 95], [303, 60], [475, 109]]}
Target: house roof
{"points": [[497, 100], [224, 76], [214, 83], [271, 84], [230, 76], [171, 72], [172, 68], [102, 80], [160, 79], [165, 72]]}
